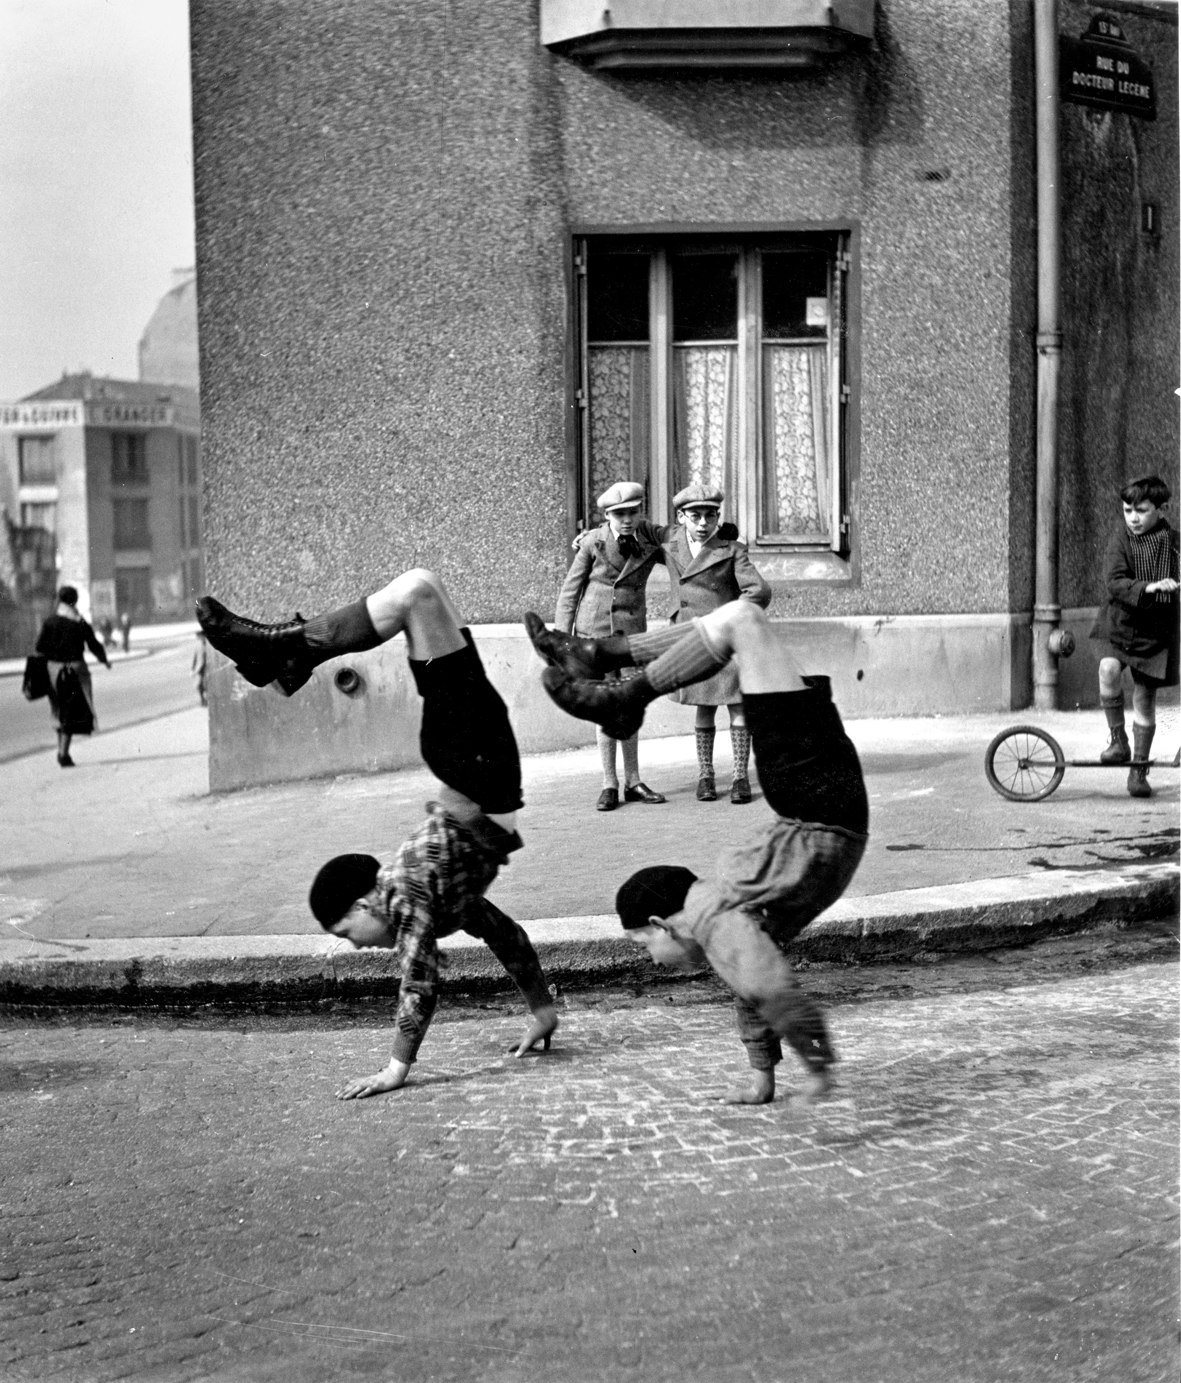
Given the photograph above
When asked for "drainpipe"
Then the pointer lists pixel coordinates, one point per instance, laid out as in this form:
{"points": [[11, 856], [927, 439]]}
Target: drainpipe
{"points": [[1049, 641]]}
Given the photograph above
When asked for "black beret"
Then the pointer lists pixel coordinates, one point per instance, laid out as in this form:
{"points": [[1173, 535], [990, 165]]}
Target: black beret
{"points": [[339, 884], [657, 891]]}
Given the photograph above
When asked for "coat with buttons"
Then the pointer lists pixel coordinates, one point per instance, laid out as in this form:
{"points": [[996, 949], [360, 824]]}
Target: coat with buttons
{"points": [[605, 592], [722, 571]]}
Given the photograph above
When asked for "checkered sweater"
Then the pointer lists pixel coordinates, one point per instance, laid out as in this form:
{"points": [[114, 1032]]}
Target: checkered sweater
{"points": [[434, 887]]}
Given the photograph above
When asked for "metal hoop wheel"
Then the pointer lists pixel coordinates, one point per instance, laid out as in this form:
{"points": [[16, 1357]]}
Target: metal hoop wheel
{"points": [[1024, 764]]}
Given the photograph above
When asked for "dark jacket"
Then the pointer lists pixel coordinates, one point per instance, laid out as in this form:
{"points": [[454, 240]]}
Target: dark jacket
{"points": [[604, 591], [1142, 629], [722, 571], [64, 640]]}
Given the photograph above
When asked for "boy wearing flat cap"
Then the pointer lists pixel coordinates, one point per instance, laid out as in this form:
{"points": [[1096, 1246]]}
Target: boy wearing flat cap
{"points": [[605, 593], [768, 891], [705, 571], [437, 881]]}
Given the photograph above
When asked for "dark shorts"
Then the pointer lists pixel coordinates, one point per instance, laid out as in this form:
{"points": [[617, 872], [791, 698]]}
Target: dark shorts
{"points": [[1159, 669], [466, 739], [808, 767]]}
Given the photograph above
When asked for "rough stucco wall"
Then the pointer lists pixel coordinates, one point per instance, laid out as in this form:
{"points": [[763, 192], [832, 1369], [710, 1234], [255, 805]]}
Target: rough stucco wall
{"points": [[381, 270], [384, 193], [857, 143], [1118, 416], [1022, 313]]}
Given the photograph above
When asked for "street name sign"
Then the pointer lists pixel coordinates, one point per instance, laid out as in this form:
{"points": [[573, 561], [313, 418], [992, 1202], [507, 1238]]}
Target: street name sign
{"points": [[1101, 69]]}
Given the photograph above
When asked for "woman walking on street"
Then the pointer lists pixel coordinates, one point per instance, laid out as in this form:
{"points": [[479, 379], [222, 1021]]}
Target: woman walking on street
{"points": [[63, 640]]}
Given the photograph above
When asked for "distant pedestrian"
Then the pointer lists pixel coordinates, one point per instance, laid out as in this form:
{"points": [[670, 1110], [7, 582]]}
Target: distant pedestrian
{"points": [[1137, 627], [106, 627], [125, 630], [63, 640], [707, 570], [200, 663], [797, 864]]}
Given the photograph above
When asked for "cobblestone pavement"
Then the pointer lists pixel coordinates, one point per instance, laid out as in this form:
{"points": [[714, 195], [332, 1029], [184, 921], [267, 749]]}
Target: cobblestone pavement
{"points": [[989, 1196]]}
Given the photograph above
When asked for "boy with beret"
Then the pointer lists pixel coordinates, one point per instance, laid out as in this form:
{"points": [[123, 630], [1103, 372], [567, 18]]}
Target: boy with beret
{"points": [[707, 570], [766, 892], [1137, 625], [436, 883]]}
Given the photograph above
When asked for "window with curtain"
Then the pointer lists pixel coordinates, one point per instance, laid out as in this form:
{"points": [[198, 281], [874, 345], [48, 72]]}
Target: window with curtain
{"points": [[718, 361]]}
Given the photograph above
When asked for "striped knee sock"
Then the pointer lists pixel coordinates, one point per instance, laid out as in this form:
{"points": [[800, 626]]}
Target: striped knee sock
{"points": [[647, 647], [689, 660]]}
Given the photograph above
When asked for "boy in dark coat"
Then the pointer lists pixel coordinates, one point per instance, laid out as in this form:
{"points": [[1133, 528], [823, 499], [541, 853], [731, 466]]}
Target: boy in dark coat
{"points": [[707, 570], [437, 881], [1137, 626], [605, 593], [766, 892]]}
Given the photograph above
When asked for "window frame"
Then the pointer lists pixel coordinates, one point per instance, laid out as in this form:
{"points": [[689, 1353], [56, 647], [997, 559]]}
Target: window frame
{"points": [[834, 559], [120, 539], [133, 447], [46, 444]]}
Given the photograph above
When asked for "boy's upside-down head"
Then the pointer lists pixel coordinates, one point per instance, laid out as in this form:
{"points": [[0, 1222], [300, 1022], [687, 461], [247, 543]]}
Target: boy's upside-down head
{"points": [[340, 901]]}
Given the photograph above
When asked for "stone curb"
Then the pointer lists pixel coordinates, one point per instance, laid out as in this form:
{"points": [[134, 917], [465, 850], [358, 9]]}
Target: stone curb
{"points": [[307, 968]]}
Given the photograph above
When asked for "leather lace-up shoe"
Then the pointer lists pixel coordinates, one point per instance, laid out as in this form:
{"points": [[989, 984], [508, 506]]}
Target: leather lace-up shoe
{"points": [[617, 706], [573, 656], [1118, 750], [262, 653], [608, 800], [706, 790], [641, 792], [740, 791]]}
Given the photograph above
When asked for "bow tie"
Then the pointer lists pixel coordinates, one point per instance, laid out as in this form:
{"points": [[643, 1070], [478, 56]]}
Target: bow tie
{"points": [[628, 545]]}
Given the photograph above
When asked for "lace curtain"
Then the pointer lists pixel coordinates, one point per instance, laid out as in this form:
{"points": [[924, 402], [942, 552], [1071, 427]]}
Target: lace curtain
{"points": [[619, 415], [705, 416], [797, 494]]}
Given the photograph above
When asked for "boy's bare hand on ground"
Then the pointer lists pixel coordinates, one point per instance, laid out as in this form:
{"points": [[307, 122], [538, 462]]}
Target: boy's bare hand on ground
{"points": [[391, 1077], [545, 1022]]}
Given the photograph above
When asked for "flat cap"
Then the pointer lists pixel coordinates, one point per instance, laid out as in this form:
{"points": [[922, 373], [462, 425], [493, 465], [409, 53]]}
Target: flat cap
{"points": [[699, 496], [624, 494]]}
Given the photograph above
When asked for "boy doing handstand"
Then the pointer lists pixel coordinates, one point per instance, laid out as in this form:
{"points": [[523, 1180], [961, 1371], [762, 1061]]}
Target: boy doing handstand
{"points": [[765, 892], [436, 883]]}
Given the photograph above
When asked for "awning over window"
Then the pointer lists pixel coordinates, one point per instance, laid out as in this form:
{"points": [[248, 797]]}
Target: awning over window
{"points": [[637, 34]]}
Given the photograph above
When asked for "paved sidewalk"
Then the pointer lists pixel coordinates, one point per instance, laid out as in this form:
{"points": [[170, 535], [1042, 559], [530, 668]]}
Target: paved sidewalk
{"points": [[125, 878]]}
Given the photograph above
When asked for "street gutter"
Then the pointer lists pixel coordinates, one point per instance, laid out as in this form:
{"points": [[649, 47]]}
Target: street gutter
{"points": [[980, 915]]}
